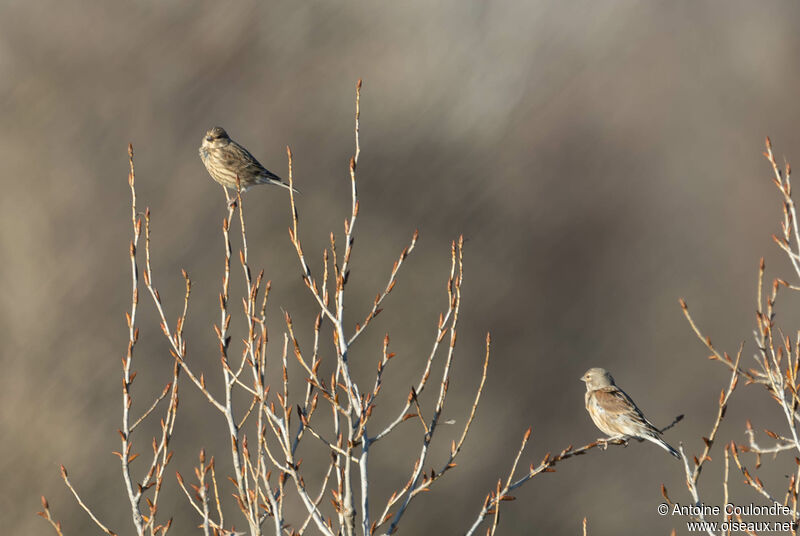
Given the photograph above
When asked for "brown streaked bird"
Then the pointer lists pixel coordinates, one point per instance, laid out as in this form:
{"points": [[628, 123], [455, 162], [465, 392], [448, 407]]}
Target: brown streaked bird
{"points": [[225, 160], [615, 414]]}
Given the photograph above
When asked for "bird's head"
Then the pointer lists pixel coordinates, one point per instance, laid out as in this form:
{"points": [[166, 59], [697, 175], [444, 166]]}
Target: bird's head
{"points": [[215, 137], [597, 378]]}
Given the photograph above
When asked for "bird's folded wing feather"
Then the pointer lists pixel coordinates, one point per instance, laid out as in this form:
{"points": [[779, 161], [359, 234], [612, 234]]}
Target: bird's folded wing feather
{"points": [[615, 402], [618, 405]]}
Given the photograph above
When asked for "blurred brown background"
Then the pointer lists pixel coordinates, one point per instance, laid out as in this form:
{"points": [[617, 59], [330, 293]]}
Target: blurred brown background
{"points": [[602, 159]]}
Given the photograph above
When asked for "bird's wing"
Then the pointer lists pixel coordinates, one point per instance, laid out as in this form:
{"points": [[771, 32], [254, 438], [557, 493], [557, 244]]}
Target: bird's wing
{"points": [[247, 162], [618, 405], [614, 401]]}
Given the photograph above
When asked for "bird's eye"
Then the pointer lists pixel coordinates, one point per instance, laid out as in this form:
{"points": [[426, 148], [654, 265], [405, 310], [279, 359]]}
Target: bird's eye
{"points": [[209, 138]]}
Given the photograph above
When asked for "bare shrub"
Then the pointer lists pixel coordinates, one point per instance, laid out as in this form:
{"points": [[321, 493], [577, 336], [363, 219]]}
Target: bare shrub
{"points": [[331, 417]]}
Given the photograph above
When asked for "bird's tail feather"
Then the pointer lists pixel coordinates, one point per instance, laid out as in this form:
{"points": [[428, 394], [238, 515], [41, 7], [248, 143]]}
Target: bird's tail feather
{"points": [[278, 182], [664, 445]]}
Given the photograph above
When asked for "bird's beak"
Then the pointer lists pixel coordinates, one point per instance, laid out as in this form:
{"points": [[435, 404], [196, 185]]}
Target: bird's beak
{"points": [[582, 380]]}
